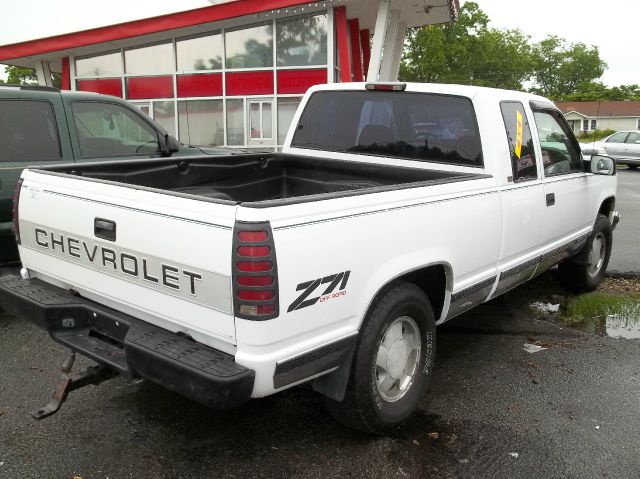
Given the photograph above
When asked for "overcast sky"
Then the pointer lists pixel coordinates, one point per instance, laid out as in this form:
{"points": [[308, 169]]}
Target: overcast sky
{"points": [[609, 26]]}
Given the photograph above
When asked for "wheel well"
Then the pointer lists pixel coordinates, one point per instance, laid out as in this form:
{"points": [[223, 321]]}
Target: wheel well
{"points": [[607, 206], [433, 281]]}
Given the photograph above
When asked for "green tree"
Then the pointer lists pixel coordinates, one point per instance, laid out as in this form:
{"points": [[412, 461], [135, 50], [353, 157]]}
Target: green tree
{"points": [[27, 76], [468, 52], [595, 91], [561, 69]]}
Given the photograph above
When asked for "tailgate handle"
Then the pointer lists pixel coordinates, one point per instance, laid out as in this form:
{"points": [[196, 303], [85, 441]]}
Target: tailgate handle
{"points": [[105, 229]]}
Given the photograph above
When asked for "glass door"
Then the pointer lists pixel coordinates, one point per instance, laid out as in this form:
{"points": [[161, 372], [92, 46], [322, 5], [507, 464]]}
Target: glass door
{"points": [[260, 113]]}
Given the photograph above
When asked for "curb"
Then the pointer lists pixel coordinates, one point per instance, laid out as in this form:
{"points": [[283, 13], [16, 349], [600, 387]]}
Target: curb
{"points": [[623, 275]]}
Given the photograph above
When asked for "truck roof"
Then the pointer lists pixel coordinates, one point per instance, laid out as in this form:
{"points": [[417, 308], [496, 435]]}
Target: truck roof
{"points": [[445, 89]]}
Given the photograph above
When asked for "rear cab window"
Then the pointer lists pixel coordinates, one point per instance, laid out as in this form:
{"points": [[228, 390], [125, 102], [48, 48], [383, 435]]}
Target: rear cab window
{"points": [[523, 157], [29, 131], [406, 125]]}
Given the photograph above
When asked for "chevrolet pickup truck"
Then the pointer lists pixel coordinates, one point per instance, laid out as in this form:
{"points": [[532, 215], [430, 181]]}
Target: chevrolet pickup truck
{"points": [[393, 208], [44, 126]]}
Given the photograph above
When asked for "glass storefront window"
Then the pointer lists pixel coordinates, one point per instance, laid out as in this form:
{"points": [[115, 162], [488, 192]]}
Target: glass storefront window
{"points": [[302, 41], [149, 60], [235, 122], [250, 47], [164, 113], [108, 65], [202, 53], [201, 122], [286, 109]]}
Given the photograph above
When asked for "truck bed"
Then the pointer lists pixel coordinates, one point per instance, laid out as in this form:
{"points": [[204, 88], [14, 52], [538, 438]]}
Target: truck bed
{"points": [[261, 179]]}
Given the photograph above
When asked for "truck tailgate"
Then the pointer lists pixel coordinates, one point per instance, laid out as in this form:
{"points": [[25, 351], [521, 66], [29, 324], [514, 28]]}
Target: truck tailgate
{"points": [[164, 258]]}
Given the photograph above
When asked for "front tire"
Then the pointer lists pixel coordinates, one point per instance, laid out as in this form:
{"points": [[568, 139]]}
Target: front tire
{"points": [[392, 364], [585, 271]]}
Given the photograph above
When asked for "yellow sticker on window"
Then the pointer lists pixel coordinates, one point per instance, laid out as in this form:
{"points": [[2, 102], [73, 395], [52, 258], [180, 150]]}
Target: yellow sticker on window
{"points": [[518, 149]]}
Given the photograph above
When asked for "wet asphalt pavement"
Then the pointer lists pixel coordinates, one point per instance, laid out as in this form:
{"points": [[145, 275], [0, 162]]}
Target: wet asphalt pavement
{"points": [[625, 257], [494, 410]]}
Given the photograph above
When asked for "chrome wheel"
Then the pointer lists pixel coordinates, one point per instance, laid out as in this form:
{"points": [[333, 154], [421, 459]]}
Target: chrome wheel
{"points": [[397, 358], [597, 255]]}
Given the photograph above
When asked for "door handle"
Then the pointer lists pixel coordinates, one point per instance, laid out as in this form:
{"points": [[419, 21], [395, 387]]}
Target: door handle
{"points": [[551, 199], [105, 229]]}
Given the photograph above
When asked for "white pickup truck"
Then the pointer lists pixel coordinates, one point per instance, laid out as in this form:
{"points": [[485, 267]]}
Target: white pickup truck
{"points": [[392, 208]]}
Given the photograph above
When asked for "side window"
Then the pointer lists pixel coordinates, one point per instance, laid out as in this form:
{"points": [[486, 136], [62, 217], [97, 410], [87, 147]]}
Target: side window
{"points": [[560, 150], [107, 129], [633, 138], [523, 157], [29, 131], [617, 138]]}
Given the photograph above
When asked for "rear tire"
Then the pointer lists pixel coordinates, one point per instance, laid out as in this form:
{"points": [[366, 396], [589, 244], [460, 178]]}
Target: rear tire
{"points": [[586, 269], [392, 364]]}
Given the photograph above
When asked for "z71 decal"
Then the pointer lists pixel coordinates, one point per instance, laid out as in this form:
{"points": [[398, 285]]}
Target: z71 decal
{"points": [[309, 287]]}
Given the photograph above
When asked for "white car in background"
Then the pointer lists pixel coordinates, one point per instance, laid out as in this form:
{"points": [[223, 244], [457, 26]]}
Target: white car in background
{"points": [[623, 146]]}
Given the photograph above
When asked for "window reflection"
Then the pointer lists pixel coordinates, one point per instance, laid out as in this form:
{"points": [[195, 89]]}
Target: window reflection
{"points": [[302, 41], [164, 113], [100, 66], [201, 122], [203, 53], [286, 109], [149, 60], [235, 122], [250, 47]]}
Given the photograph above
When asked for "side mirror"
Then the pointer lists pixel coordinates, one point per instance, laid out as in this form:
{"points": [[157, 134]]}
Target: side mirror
{"points": [[168, 145], [603, 165], [173, 144]]}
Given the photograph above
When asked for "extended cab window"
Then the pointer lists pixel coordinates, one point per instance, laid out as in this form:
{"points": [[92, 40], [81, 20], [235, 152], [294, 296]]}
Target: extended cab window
{"points": [[560, 150], [28, 131], [523, 158], [415, 126], [106, 129]]}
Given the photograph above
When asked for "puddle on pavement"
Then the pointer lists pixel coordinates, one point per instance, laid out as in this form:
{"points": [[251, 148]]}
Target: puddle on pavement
{"points": [[622, 326]]}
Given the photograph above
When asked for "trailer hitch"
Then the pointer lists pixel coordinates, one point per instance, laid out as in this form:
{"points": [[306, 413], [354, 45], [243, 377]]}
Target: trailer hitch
{"points": [[93, 375]]}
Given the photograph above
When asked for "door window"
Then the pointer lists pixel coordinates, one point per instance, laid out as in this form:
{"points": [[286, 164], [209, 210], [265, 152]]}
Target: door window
{"points": [[633, 138], [560, 149], [523, 157], [261, 120], [617, 138], [107, 129], [29, 131]]}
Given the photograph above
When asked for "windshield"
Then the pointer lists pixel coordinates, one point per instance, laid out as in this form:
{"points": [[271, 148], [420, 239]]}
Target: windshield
{"points": [[416, 126]]}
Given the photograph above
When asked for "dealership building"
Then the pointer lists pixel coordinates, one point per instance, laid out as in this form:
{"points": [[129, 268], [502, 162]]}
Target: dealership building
{"points": [[233, 73]]}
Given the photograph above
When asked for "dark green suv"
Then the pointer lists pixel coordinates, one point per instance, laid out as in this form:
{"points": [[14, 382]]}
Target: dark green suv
{"points": [[43, 125]]}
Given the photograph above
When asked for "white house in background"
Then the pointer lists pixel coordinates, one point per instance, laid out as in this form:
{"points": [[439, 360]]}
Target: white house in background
{"points": [[601, 115]]}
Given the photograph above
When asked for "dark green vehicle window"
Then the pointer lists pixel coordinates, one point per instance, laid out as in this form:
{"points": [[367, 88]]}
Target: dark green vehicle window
{"points": [[28, 131], [110, 130]]}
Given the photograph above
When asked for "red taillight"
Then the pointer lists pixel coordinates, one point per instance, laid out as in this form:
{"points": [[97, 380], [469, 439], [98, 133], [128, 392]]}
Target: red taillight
{"points": [[252, 236], [16, 211], [254, 266], [254, 251], [255, 280], [255, 295], [255, 273]]}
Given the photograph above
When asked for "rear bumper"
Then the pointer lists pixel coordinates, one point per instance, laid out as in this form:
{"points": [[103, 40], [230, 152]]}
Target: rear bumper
{"points": [[128, 345]]}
